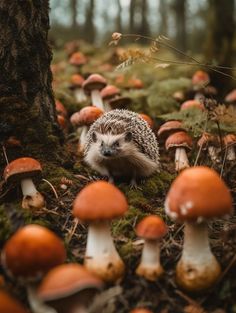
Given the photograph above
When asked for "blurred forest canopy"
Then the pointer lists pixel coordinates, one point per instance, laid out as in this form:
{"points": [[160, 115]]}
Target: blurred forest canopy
{"points": [[191, 24]]}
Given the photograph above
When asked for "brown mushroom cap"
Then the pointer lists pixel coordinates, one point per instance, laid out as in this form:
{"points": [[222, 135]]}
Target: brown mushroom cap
{"points": [[169, 128], [198, 193], [66, 280], [148, 119], [60, 108], [179, 139], [86, 116], [99, 200], [109, 92], [140, 310], [22, 168], [200, 78], [9, 304], [32, 250], [77, 59], [94, 82], [191, 104], [229, 140], [120, 102], [208, 139], [76, 80], [135, 83], [231, 97], [151, 227]]}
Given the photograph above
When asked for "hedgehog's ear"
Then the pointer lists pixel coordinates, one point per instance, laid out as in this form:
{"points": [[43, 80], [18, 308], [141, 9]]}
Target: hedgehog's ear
{"points": [[94, 137], [128, 136]]}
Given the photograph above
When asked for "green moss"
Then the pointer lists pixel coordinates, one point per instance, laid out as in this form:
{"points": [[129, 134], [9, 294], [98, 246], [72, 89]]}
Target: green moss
{"points": [[126, 251], [158, 184]]}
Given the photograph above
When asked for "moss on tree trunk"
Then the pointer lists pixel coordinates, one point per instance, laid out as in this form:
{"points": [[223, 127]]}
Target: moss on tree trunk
{"points": [[27, 105]]}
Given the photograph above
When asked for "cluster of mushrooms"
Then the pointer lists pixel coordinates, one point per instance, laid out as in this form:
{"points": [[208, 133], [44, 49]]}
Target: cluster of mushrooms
{"points": [[35, 257]]}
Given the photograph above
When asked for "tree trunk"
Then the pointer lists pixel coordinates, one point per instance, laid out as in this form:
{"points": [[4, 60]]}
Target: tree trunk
{"points": [[132, 29], [144, 30], [118, 17], [219, 48], [163, 17], [27, 106], [89, 29], [73, 6], [179, 7]]}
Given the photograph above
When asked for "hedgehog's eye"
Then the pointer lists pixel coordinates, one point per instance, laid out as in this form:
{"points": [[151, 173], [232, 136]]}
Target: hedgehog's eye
{"points": [[116, 144], [102, 144]]}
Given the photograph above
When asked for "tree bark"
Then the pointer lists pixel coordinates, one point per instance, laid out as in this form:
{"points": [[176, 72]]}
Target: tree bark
{"points": [[163, 17], [27, 105], [118, 17], [89, 28], [144, 30], [219, 48], [73, 6], [132, 29], [179, 7]]}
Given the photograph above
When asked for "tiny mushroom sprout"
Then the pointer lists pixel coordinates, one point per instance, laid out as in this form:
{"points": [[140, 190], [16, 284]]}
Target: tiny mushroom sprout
{"points": [[76, 83], [93, 85], [210, 143], [31, 252], [229, 143], [23, 170], [98, 203], [108, 93], [169, 128], [84, 119], [10, 305], [180, 142], [189, 104], [197, 195], [69, 288], [152, 228]]}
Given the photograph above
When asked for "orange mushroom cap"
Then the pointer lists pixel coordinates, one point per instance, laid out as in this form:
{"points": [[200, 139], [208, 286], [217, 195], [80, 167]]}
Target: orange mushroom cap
{"points": [[148, 119], [73, 278], [200, 78], [198, 193], [94, 82], [169, 128], [99, 200], [208, 139], [109, 92], [32, 250], [229, 140], [179, 139], [9, 304], [191, 104], [140, 310], [62, 122], [231, 97], [60, 109], [77, 59], [21, 168], [77, 80], [151, 227], [86, 116]]}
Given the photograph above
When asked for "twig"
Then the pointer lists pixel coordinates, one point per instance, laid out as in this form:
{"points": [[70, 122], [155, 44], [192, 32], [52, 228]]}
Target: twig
{"points": [[52, 187]]}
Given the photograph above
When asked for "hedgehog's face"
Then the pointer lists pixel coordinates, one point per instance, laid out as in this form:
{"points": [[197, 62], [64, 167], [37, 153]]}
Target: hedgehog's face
{"points": [[112, 146]]}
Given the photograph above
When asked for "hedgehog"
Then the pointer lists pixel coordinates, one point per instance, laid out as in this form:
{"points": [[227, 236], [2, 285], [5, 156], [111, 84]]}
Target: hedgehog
{"points": [[121, 145]]}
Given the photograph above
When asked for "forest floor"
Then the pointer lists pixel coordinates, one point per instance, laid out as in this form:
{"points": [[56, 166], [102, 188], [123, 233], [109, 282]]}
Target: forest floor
{"points": [[162, 296]]}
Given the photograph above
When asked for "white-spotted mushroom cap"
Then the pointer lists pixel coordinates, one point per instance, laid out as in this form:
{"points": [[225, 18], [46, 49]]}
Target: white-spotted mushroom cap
{"points": [[198, 193]]}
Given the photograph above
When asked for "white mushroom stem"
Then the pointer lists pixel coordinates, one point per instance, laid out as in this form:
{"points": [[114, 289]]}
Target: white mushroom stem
{"points": [[101, 256], [181, 159], [83, 134], [32, 199], [107, 106], [213, 154], [150, 266], [80, 95], [36, 305], [230, 153], [97, 99], [197, 268]]}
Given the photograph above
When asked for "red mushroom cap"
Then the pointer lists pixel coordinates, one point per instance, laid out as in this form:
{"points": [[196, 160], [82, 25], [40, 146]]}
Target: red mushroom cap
{"points": [[73, 278], [22, 168], [148, 119], [200, 78], [99, 200], [179, 139], [191, 104], [86, 116], [168, 128], [9, 304], [151, 227], [109, 92], [198, 193], [78, 59], [32, 251]]}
